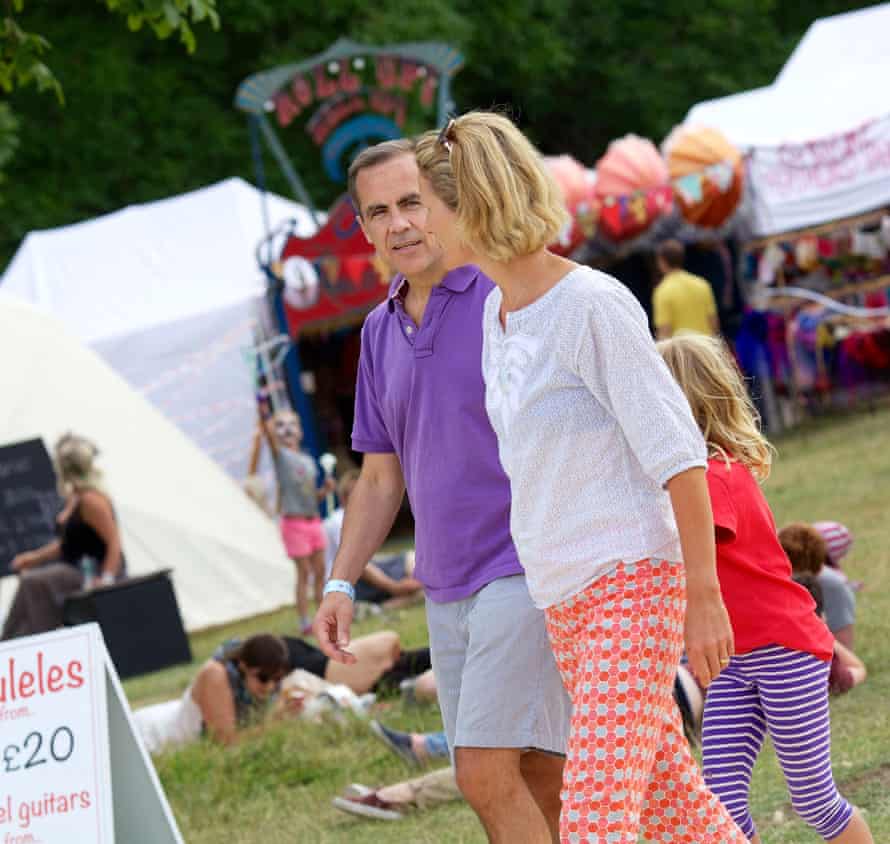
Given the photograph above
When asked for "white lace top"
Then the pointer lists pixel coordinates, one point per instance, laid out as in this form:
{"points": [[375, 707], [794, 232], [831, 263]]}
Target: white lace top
{"points": [[591, 425]]}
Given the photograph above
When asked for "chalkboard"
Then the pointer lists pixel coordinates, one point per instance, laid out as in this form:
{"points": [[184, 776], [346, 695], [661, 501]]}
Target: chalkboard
{"points": [[29, 500]]}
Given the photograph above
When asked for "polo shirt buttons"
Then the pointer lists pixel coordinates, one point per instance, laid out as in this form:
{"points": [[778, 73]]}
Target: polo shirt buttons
{"points": [[409, 329]]}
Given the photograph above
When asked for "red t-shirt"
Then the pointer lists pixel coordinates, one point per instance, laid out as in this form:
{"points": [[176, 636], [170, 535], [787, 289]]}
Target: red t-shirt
{"points": [[766, 607]]}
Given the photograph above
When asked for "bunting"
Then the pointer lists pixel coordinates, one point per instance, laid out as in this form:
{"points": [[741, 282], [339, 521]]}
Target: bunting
{"points": [[690, 188], [625, 216], [630, 214]]}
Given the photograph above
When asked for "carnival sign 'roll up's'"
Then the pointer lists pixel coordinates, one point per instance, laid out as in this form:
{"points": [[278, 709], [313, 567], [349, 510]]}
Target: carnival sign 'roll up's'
{"points": [[340, 101], [353, 95]]}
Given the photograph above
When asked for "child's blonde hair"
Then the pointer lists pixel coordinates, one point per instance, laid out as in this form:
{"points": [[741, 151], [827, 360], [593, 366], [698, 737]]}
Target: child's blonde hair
{"points": [[720, 403], [483, 167]]}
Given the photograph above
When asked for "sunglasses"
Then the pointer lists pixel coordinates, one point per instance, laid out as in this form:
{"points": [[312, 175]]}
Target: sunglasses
{"points": [[265, 677], [445, 137]]}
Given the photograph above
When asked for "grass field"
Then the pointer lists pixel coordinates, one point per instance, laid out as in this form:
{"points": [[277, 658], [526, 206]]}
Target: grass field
{"points": [[276, 786]]}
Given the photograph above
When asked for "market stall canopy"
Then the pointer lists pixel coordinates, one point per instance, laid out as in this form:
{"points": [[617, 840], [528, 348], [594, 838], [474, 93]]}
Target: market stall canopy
{"points": [[176, 507], [818, 138], [167, 293]]}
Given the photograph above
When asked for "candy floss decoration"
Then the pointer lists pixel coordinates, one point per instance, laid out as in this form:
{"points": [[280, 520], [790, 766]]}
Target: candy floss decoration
{"points": [[630, 182], [576, 185], [707, 174]]}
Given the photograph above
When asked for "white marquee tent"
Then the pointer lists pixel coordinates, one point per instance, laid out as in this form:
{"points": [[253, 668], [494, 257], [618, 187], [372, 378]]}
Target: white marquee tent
{"points": [[818, 138], [178, 509], [167, 293]]}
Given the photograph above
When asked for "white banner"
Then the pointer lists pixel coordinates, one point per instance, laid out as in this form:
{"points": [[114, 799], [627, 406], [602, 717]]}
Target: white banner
{"points": [[799, 185]]}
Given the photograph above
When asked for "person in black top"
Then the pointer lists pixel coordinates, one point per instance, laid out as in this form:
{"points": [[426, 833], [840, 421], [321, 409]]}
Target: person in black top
{"points": [[87, 530]]}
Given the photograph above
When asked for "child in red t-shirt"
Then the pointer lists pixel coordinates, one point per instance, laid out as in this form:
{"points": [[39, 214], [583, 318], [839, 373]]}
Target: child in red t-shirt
{"points": [[777, 680]]}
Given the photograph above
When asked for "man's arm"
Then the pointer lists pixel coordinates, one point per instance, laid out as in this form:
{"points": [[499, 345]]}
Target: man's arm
{"points": [[851, 663], [844, 635], [375, 576], [713, 317], [661, 314], [373, 505]]}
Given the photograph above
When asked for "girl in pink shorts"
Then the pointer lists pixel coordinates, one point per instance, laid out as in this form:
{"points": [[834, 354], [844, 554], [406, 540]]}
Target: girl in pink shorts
{"points": [[298, 497]]}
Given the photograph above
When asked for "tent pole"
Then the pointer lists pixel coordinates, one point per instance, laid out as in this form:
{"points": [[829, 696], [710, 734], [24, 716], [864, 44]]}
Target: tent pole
{"points": [[287, 168], [259, 168], [299, 400]]}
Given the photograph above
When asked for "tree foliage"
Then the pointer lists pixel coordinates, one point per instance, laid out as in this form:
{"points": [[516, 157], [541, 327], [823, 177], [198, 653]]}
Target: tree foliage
{"points": [[143, 121]]}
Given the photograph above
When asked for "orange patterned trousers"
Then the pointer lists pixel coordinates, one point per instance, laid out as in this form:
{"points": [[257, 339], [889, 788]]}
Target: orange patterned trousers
{"points": [[629, 774]]}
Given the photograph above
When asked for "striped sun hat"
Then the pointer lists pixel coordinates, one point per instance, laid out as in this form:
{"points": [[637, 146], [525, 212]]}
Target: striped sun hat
{"points": [[838, 539]]}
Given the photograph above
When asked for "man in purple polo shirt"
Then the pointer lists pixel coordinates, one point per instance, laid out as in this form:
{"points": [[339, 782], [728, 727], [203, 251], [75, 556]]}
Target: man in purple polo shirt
{"points": [[420, 420]]}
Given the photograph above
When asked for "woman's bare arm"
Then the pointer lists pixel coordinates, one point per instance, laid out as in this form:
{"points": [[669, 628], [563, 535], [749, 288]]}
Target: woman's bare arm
{"points": [[97, 513], [213, 694]]}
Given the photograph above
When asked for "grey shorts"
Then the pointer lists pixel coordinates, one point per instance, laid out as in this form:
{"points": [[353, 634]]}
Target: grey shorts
{"points": [[497, 679]]}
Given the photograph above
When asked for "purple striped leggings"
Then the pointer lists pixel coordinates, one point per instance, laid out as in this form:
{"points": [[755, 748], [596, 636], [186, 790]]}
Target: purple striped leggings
{"points": [[783, 692]]}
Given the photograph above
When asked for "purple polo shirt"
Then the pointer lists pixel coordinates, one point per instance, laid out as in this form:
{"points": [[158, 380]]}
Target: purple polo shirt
{"points": [[420, 395]]}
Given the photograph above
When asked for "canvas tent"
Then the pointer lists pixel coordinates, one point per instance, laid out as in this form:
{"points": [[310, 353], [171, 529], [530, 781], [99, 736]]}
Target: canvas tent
{"points": [[818, 138], [167, 293], [177, 508]]}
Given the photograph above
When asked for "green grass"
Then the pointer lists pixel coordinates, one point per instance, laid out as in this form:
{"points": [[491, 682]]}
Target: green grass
{"points": [[277, 785]]}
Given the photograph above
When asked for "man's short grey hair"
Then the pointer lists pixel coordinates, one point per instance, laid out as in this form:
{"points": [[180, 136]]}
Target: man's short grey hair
{"points": [[371, 157]]}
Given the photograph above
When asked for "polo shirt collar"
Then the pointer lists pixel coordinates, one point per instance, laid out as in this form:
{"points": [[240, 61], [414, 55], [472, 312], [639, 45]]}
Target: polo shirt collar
{"points": [[398, 290], [457, 281]]}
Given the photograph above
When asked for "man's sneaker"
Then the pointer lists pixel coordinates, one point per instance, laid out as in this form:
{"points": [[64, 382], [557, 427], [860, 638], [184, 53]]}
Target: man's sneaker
{"points": [[398, 743], [368, 806], [356, 789]]}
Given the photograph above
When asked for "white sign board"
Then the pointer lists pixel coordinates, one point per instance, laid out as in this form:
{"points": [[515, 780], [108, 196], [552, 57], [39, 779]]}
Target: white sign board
{"points": [[71, 766]]}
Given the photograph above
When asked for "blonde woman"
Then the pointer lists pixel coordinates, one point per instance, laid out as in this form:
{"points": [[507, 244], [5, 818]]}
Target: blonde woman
{"points": [[86, 528], [777, 681], [610, 511]]}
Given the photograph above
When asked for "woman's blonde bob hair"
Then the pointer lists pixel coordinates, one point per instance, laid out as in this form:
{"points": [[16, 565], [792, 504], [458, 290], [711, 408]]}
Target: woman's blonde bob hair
{"points": [[709, 377], [481, 166], [75, 461]]}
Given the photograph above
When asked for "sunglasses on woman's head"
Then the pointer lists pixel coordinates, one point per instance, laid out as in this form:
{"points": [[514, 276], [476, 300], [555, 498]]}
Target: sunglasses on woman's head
{"points": [[445, 138]]}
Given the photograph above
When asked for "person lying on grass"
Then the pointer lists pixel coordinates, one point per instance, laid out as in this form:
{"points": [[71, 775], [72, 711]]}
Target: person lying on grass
{"points": [[238, 685], [847, 670]]}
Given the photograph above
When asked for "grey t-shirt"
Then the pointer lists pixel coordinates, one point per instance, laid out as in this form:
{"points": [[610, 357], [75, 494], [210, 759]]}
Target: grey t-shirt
{"points": [[297, 474], [838, 599]]}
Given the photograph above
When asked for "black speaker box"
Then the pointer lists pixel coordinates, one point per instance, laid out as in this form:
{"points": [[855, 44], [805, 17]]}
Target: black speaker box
{"points": [[140, 622]]}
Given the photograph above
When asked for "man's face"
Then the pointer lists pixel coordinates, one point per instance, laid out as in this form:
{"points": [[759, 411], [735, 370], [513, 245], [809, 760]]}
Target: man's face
{"points": [[393, 217], [441, 227]]}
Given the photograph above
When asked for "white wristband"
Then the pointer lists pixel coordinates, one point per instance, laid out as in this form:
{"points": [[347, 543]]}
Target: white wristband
{"points": [[343, 586]]}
